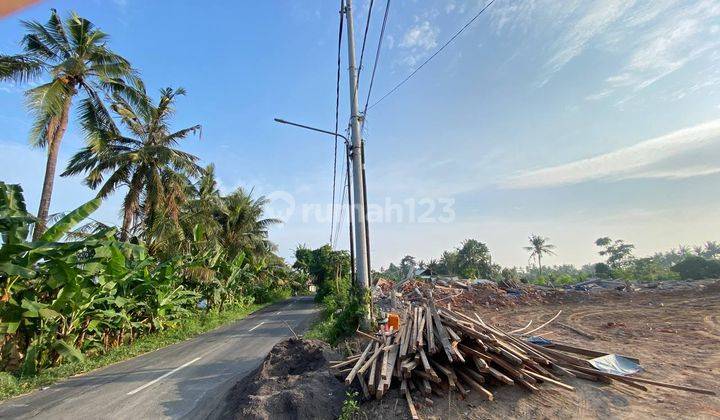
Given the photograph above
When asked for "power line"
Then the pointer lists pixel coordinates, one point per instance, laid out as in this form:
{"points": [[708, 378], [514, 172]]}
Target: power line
{"points": [[337, 117], [341, 216], [362, 50], [377, 57], [477, 15]]}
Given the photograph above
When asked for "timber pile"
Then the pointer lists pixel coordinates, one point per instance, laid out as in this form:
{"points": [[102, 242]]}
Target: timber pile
{"points": [[437, 350]]}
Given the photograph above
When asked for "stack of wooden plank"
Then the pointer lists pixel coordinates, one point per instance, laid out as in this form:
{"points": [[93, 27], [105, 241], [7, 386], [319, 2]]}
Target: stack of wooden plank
{"points": [[437, 350]]}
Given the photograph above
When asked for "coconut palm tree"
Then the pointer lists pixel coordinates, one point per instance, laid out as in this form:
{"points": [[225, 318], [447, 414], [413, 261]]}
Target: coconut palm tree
{"points": [[243, 226], [156, 174], [75, 57], [205, 205], [539, 246]]}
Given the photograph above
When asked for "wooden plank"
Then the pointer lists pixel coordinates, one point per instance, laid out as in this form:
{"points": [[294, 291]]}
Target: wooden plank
{"points": [[475, 385], [453, 335], [432, 349], [481, 365], [458, 355], [421, 335], [413, 331], [393, 361], [445, 370], [339, 364], [584, 352], [372, 379], [500, 376], [363, 386], [473, 352], [548, 380], [366, 335], [425, 375], [406, 340], [442, 334], [649, 381], [359, 362], [461, 390], [411, 405], [376, 352], [476, 376], [383, 368], [427, 389], [426, 364], [509, 369]]}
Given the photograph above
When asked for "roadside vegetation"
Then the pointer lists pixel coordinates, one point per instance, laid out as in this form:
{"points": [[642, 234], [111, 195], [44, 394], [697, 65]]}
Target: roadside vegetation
{"points": [[76, 294], [329, 271], [188, 327]]}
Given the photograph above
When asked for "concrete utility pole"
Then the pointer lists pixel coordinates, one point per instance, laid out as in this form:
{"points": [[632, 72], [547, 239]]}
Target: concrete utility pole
{"points": [[362, 268]]}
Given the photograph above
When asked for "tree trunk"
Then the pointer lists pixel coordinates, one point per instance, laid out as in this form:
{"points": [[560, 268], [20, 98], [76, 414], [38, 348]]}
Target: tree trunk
{"points": [[55, 135], [127, 221], [539, 265]]}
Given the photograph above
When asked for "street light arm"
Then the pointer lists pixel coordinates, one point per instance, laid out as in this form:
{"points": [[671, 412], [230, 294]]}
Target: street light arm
{"points": [[281, 121]]}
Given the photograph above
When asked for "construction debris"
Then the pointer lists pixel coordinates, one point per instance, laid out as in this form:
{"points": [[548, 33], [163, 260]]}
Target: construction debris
{"points": [[469, 294], [438, 349]]}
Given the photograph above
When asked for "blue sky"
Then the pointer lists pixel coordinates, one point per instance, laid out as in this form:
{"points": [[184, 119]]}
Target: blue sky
{"points": [[570, 119]]}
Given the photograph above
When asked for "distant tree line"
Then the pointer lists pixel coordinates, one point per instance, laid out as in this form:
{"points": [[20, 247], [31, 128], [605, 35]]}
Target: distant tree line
{"points": [[473, 260]]}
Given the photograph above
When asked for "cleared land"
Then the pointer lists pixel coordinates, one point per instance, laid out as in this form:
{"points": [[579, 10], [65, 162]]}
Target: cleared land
{"points": [[674, 333]]}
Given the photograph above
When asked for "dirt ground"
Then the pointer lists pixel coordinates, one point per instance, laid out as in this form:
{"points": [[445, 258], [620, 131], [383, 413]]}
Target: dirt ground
{"points": [[675, 334]]}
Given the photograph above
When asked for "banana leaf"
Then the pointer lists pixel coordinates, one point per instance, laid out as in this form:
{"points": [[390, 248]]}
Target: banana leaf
{"points": [[67, 351], [59, 229], [16, 270]]}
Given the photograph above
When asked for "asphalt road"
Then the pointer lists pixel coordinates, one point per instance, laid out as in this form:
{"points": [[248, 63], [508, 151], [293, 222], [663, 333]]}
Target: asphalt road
{"points": [[185, 380]]}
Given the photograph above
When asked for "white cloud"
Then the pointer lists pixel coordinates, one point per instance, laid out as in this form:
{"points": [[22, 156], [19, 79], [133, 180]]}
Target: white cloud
{"points": [[651, 39], [418, 41], [522, 15], [422, 36], [679, 173], [665, 50], [574, 41], [635, 161], [599, 95], [663, 37]]}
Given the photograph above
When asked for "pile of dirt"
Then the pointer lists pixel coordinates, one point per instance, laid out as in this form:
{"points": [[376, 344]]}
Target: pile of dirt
{"points": [[293, 382]]}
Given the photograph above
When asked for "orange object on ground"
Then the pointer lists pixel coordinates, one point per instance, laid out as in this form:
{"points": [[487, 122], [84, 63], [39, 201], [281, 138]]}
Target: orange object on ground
{"points": [[393, 321]]}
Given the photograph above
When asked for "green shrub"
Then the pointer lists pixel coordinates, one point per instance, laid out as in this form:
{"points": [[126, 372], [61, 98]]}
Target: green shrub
{"points": [[648, 270], [693, 267], [603, 271], [350, 406], [564, 279]]}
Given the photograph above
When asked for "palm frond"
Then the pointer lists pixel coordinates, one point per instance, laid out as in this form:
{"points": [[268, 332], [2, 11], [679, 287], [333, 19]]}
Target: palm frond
{"points": [[181, 134], [20, 68], [79, 29], [47, 38], [107, 64], [47, 102], [35, 47], [55, 28], [95, 119]]}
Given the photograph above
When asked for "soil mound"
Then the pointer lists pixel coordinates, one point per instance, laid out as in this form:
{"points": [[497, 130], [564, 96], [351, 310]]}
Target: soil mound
{"points": [[293, 382]]}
